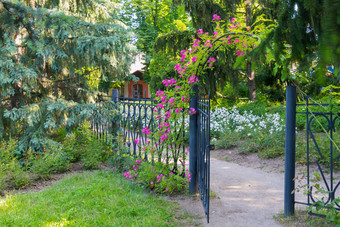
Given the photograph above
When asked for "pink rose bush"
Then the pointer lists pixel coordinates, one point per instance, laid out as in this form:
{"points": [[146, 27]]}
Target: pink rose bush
{"points": [[167, 143]]}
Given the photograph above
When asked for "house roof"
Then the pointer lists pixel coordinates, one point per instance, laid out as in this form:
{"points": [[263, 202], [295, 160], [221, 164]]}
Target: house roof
{"points": [[138, 65]]}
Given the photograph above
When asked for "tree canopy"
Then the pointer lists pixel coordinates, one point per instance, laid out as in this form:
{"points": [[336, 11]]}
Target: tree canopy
{"points": [[53, 57]]}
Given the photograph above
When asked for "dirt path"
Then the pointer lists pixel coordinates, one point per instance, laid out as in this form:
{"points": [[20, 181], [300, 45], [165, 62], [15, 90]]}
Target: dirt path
{"points": [[245, 196]]}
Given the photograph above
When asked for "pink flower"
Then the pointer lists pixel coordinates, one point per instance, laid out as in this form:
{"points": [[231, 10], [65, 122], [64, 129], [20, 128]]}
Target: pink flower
{"points": [[151, 182], [192, 111], [233, 20], [194, 59], [146, 130], [215, 33], [166, 189], [233, 27], [178, 66], [196, 41], [171, 101], [216, 17], [192, 79], [177, 111], [171, 173], [199, 31], [159, 106], [207, 43], [159, 93]]}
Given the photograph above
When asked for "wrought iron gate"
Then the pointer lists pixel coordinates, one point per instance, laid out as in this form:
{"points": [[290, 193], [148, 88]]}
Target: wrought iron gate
{"points": [[203, 151], [318, 153]]}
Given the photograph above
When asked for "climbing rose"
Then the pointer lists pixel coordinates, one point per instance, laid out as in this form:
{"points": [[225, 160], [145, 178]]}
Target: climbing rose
{"points": [[199, 31], [216, 17]]}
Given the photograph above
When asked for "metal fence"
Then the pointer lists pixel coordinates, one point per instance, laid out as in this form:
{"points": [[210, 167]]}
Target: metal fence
{"points": [[318, 154], [103, 121], [139, 113], [203, 148]]}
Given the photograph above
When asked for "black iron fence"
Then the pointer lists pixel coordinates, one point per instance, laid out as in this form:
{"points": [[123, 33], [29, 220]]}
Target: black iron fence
{"points": [[322, 184], [103, 121], [323, 159], [138, 114], [203, 148]]}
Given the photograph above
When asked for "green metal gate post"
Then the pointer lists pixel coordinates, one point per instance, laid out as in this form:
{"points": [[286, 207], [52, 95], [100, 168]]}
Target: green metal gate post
{"points": [[289, 195], [193, 142]]}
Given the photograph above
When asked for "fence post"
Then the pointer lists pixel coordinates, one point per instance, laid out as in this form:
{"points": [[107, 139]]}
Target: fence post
{"points": [[193, 142], [115, 95], [289, 196]]}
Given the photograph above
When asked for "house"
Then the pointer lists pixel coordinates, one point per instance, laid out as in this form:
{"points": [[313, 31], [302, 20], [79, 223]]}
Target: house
{"points": [[132, 89]]}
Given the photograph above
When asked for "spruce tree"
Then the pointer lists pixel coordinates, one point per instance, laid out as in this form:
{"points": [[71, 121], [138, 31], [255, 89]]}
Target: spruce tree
{"points": [[53, 57]]}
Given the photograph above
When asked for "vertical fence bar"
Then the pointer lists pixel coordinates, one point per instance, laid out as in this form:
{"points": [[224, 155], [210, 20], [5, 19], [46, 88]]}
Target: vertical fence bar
{"points": [[307, 134], [193, 142], [331, 128], [289, 195]]}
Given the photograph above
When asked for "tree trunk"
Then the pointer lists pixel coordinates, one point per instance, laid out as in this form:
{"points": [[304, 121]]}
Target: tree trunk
{"points": [[250, 73], [251, 83]]}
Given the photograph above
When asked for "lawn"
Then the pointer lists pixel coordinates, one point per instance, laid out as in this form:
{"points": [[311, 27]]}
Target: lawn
{"points": [[97, 198]]}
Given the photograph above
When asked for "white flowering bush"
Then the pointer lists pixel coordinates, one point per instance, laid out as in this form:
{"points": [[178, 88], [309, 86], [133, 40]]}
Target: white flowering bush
{"points": [[248, 131], [246, 124]]}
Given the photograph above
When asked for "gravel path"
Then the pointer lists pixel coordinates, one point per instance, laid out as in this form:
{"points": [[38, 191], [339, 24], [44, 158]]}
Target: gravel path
{"points": [[244, 196]]}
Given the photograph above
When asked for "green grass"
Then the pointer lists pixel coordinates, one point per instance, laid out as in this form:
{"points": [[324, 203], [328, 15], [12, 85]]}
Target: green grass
{"points": [[96, 198]]}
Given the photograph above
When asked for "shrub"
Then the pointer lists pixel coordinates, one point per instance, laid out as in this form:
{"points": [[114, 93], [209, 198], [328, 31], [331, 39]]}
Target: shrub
{"points": [[72, 147], [226, 141], [12, 173], [121, 158], [51, 161], [90, 162], [17, 177], [157, 177]]}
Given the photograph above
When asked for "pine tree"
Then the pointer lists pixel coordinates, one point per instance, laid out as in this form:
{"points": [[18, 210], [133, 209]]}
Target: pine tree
{"points": [[51, 63]]}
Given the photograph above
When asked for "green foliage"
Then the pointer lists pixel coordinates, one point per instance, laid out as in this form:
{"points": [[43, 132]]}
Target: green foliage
{"points": [[270, 145], [83, 145], [160, 68], [52, 63], [158, 177], [121, 158], [52, 161], [72, 148], [225, 141], [150, 19], [12, 173], [332, 215]]}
